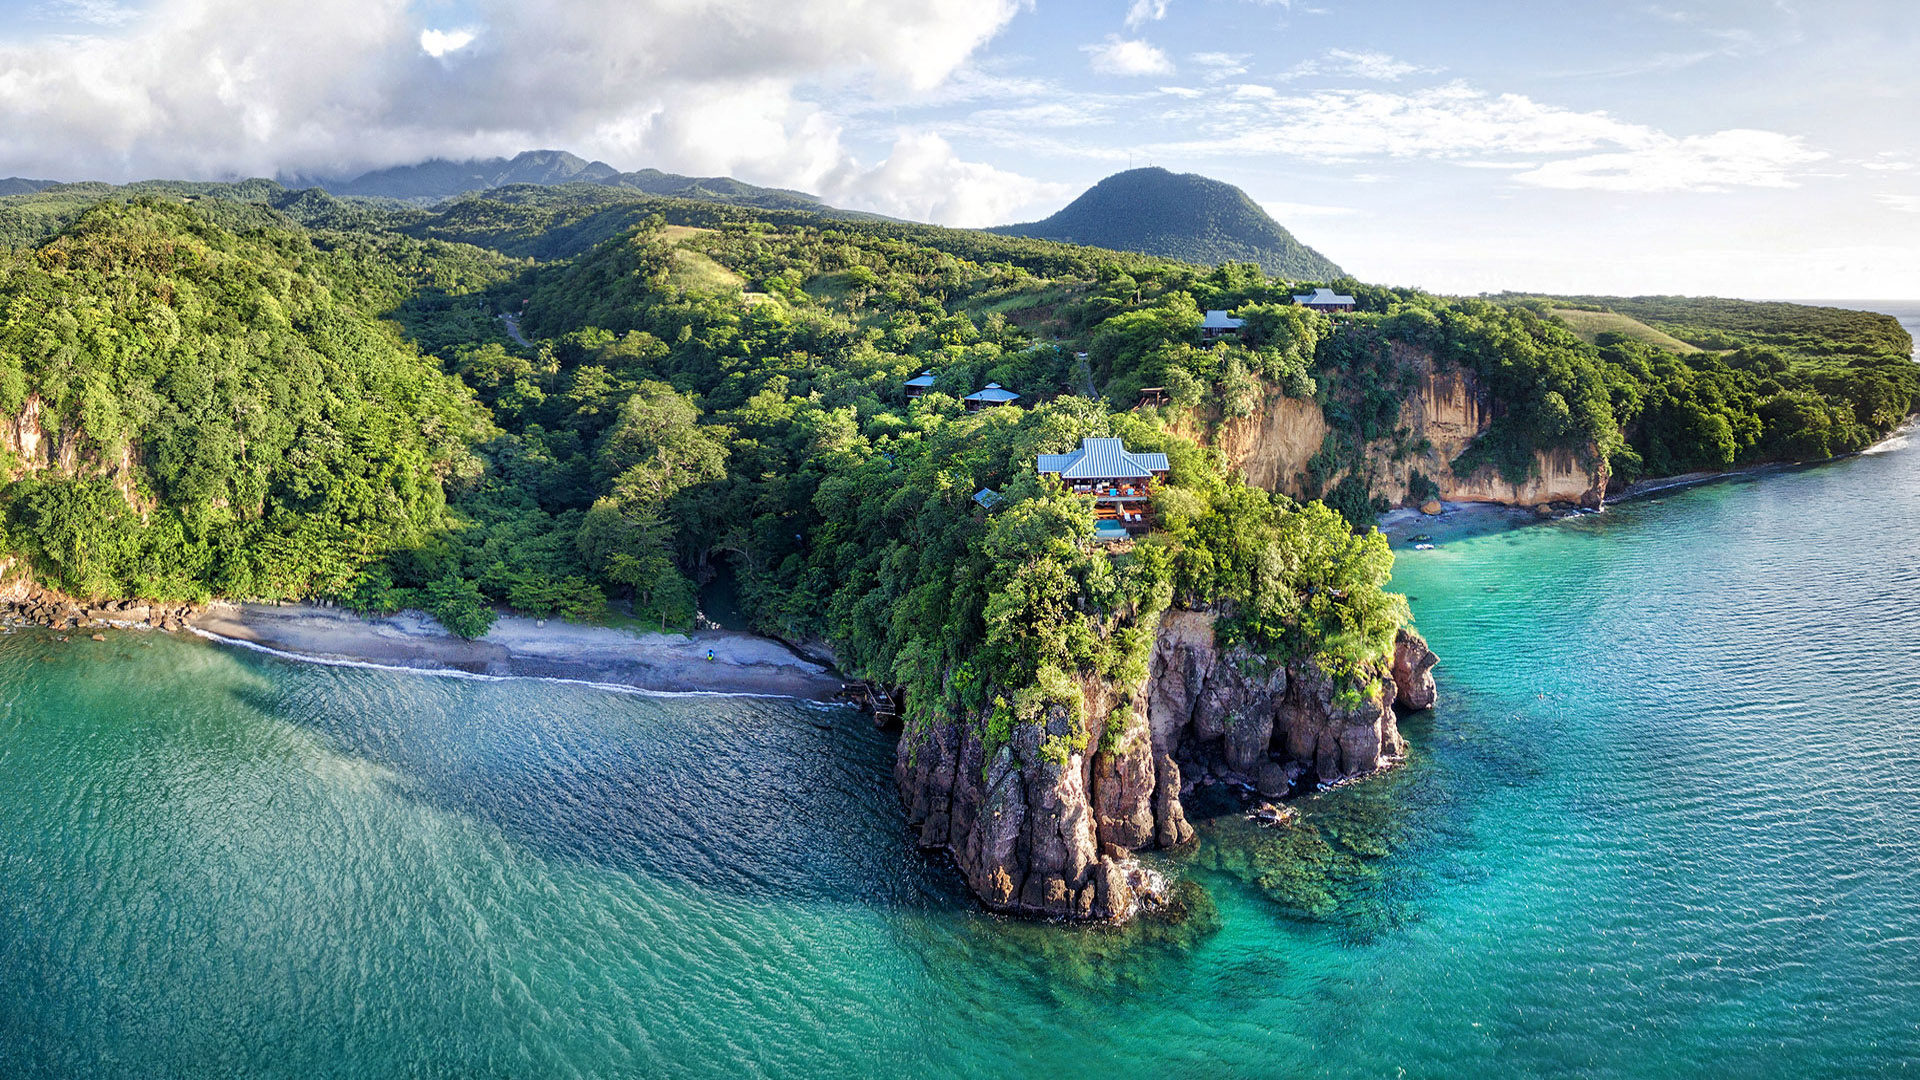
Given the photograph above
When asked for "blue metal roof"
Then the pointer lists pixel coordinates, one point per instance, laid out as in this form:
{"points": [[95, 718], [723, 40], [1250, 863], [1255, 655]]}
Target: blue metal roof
{"points": [[1220, 320], [925, 378], [987, 498], [993, 392], [1323, 296], [1102, 459]]}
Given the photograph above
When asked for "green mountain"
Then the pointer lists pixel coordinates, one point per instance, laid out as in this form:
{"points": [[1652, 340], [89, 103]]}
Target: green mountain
{"points": [[437, 180], [431, 181], [15, 185], [1180, 216]]}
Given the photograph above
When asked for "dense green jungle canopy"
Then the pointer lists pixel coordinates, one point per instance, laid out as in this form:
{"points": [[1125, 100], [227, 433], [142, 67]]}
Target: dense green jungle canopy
{"points": [[251, 392]]}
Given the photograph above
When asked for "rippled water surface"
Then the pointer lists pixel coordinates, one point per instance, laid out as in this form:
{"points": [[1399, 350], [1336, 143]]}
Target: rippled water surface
{"points": [[1665, 823]]}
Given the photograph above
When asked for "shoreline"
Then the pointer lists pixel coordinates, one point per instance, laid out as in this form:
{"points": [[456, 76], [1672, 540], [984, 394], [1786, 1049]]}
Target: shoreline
{"points": [[1458, 519], [743, 665]]}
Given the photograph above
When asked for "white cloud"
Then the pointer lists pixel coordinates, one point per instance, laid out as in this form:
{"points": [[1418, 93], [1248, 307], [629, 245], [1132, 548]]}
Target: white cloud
{"points": [[1047, 114], [1884, 161], [1347, 63], [1452, 121], [1146, 11], [1724, 159], [200, 88], [924, 180], [1906, 204], [1544, 145], [1120, 56], [438, 43], [1221, 65], [94, 12]]}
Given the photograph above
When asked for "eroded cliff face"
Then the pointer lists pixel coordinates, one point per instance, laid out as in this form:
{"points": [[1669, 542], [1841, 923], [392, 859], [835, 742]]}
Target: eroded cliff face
{"points": [[30, 447], [23, 437], [1448, 409], [1042, 837]]}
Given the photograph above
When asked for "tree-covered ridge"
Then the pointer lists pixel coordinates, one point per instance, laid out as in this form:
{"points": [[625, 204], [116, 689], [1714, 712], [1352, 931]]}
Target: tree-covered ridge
{"points": [[1001, 615], [1789, 385], [754, 414], [718, 385], [225, 418], [1776, 382], [1711, 322], [820, 324], [1180, 216]]}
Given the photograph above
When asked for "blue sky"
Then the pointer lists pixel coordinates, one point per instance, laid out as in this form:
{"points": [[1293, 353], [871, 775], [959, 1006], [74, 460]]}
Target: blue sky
{"points": [[1756, 149]]}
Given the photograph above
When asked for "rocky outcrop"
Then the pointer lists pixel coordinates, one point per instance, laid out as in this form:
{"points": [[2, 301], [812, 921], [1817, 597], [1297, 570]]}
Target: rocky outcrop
{"points": [[30, 442], [22, 437], [1025, 831], [1054, 835], [1447, 410], [1413, 672]]}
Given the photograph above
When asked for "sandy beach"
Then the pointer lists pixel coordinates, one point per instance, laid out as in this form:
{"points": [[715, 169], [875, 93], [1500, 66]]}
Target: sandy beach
{"points": [[517, 646]]}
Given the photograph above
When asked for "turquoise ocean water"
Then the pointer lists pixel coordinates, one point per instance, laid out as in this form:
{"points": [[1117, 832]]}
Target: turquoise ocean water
{"points": [[1665, 823]]}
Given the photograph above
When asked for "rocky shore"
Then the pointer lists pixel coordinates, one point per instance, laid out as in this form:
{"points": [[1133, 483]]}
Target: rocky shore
{"points": [[1033, 835], [32, 606]]}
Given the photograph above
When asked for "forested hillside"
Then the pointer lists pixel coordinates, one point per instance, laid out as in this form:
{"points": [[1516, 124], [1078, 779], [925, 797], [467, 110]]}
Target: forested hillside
{"points": [[198, 413], [1773, 382], [233, 404]]}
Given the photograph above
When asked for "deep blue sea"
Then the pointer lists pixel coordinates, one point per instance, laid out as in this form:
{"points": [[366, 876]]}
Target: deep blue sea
{"points": [[1665, 823]]}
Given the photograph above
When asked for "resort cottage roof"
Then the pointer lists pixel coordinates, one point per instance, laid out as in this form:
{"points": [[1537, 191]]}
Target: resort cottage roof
{"points": [[1324, 298], [1220, 320], [987, 498], [1102, 459], [994, 394], [925, 378]]}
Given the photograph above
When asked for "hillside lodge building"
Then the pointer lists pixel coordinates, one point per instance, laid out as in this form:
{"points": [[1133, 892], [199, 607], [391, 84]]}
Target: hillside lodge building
{"points": [[1219, 324], [993, 396], [1325, 300], [1119, 480]]}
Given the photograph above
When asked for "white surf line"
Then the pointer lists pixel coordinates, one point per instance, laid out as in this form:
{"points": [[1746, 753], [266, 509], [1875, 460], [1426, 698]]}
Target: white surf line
{"points": [[455, 673], [1897, 439]]}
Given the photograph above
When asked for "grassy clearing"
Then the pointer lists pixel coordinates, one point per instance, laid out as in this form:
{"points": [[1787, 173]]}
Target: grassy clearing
{"points": [[1591, 324], [677, 234], [832, 288], [694, 270], [1038, 313]]}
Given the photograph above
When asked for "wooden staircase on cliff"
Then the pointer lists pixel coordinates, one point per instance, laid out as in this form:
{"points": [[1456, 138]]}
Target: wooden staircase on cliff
{"points": [[885, 704]]}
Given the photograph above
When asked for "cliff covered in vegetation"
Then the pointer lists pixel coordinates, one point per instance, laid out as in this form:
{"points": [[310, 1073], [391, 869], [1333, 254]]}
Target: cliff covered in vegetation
{"points": [[211, 399], [1054, 833]]}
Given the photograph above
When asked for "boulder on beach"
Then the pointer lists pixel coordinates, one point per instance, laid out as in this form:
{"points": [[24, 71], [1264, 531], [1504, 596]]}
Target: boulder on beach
{"points": [[1431, 508]]}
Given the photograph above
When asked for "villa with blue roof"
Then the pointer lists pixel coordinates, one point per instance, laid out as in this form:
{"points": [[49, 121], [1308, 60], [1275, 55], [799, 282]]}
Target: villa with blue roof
{"points": [[920, 384], [1325, 300], [994, 395], [1120, 481], [1219, 324]]}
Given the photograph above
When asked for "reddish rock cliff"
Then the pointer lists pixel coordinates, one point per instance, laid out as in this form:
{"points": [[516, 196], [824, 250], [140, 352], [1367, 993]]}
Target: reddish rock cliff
{"points": [[1447, 411], [1045, 837]]}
